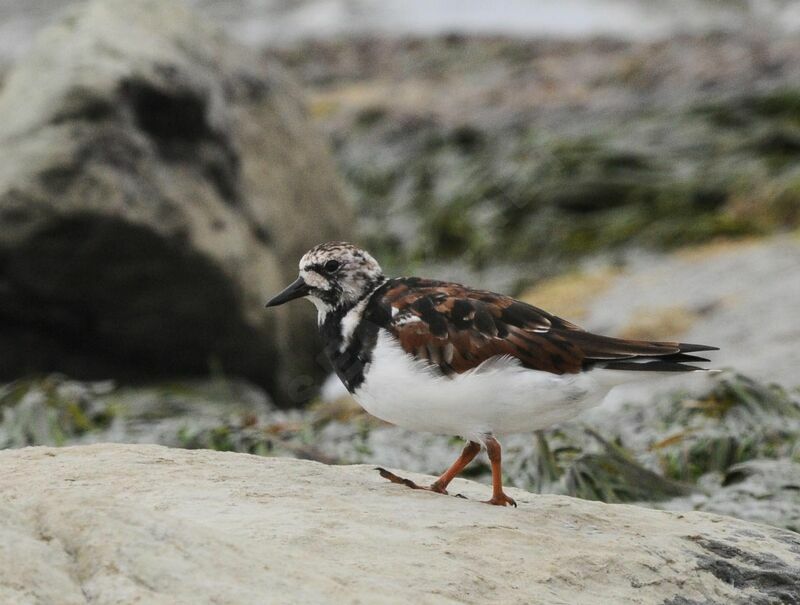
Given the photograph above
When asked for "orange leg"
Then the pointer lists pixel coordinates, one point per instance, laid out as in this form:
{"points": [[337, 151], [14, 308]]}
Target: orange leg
{"points": [[499, 497], [440, 485], [467, 454]]}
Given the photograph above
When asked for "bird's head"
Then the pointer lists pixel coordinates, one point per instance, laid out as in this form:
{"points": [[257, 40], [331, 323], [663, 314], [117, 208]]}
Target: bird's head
{"points": [[334, 274]]}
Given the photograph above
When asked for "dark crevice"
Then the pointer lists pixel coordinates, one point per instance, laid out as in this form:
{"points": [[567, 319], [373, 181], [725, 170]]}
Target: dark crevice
{"points": [[764, 573], [180, 116], [177, 121], [88, 293]]}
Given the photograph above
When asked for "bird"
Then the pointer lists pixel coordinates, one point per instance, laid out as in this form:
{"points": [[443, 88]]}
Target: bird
{"points": [[445, 358]]}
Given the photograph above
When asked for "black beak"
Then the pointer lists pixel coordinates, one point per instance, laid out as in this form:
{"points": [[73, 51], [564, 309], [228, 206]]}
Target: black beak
{"points": [[297, 289]]}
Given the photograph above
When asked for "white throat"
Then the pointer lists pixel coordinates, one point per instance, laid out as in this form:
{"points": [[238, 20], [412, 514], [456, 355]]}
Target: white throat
{"points": [[322, 309]]}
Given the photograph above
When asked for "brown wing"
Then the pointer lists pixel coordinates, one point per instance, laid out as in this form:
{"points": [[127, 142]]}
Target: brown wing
{"points": [[457, 329]]}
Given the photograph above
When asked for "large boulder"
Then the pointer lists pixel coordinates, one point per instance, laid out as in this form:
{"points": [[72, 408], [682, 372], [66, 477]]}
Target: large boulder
{"points": [[131, 523], [157, 184]]}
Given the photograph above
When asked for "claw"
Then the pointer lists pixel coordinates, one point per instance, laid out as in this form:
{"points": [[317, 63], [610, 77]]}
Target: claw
{"points": [[434, 487], [502, 500], [395, 479]]}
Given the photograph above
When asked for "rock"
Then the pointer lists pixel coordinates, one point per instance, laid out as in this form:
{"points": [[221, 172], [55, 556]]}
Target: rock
{"points": [[723, 286], [157, 184], [764, 491], [125, 523]]}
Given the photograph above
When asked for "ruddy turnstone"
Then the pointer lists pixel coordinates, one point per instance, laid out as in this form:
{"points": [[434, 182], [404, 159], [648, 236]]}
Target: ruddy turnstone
{"points": [[441, 357]]}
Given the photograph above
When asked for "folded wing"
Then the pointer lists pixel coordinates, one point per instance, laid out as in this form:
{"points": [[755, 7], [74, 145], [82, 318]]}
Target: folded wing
{"points": [[458, 328]]}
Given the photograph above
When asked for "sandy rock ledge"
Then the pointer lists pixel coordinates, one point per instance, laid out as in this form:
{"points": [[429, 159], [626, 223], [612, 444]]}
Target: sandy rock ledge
{"points": [[149, 524]]}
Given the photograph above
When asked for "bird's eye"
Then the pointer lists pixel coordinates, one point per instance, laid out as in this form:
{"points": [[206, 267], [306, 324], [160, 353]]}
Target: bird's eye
{"points": [[332, 266]]}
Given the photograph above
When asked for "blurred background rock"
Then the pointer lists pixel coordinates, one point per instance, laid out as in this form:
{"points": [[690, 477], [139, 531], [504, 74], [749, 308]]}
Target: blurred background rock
{"points": [[630, 165], [156, 179]]}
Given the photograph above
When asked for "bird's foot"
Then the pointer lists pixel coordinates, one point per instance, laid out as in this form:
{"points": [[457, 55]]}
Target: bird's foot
{"points": [[501, 500], [433, 487]]}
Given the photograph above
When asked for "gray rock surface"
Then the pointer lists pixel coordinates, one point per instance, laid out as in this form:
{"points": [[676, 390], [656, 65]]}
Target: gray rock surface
{"points": [[157, 185], [741, 298], [764, 491], [148, 524]]}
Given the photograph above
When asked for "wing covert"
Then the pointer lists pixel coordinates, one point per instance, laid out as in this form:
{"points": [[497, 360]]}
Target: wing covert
{"points": [[457, 328]]}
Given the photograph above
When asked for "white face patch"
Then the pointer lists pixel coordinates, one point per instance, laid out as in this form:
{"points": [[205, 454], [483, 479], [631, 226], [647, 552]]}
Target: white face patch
{"points": [[314, 279]]}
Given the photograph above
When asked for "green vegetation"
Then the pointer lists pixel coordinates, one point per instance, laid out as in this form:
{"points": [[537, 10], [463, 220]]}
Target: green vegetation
{"points": [[489, 196], [684, 439], [55, 410], [614, 475], [739, 420], [52, 411], [515, 153]]}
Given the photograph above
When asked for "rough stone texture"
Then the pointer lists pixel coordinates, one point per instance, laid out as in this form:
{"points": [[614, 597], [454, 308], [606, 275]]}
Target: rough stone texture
{"points": [[124, 523], [764, 491], [157, 184]]}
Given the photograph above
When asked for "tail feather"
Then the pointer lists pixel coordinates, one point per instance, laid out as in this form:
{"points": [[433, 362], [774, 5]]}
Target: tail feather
{"points": [[681, 357], [650, 356], [654, 365], [686, 347]]}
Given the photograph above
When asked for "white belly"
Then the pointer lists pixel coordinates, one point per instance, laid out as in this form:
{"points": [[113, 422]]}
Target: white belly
{"points": [[500, 396]]}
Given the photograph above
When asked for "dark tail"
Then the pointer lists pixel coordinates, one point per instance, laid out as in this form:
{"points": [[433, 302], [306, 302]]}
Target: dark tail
{"points": [[639, 355]]}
